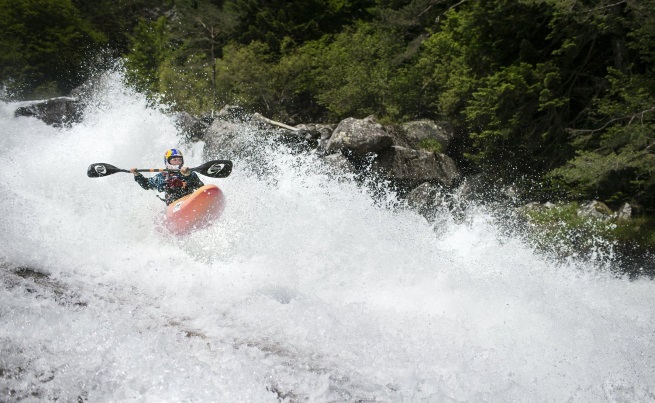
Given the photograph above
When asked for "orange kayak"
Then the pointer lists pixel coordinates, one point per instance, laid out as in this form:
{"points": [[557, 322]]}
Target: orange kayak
{"points": [[196, 210]]}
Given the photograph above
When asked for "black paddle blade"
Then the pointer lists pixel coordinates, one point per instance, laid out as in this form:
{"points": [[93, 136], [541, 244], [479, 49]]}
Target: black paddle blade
{"points": [[215, 169], [102, 169]]}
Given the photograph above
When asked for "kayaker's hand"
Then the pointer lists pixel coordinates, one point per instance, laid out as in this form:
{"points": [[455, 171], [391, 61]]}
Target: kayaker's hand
{"points": [[185, 171], [133, 170]]}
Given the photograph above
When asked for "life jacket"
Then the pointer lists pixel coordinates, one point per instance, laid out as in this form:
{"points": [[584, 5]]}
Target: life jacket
{"points": [[175, 186]]}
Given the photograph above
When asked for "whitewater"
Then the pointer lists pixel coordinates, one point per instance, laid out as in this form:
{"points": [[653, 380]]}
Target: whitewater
{"points": [[309, 288]]}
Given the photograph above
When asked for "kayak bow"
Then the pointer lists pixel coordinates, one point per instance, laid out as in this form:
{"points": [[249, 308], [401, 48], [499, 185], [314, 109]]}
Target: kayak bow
{"points": [[195, 211]]}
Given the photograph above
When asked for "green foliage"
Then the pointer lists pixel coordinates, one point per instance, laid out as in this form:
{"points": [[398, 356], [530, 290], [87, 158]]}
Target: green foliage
{"points": [[149, 51], [44, 45], [246, 76], [298, 21], [447, 77], [640, 230], [641, 35], [430, 145], [514, 121], [356, 73], [562, 229], [350, 74], [616, 162], [116, 19], [188, 88]]}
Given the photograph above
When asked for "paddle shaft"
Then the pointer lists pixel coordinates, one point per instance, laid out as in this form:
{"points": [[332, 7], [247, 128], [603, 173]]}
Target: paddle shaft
{"points": [[213, 169], [149, 170], [155, 170]]}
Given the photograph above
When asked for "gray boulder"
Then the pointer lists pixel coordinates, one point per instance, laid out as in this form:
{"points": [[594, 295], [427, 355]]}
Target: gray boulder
{"points": [[316, 131], [625, 212], [339, 164], [233, 113], [423, 198], [193, 129], [416, 166], [595, 209], [425, 133], [57, 112], [224, 139], [359, 136]]}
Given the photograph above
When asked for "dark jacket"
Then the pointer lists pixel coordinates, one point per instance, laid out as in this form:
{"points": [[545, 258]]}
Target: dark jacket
{"points": [[173, 184]]}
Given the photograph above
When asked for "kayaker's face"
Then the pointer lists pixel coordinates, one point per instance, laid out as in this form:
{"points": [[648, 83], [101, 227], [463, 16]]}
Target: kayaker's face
{"points": [[175, 161]]}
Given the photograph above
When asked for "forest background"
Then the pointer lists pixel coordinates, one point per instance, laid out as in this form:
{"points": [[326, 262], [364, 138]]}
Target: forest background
{"points": [[556, 97]]}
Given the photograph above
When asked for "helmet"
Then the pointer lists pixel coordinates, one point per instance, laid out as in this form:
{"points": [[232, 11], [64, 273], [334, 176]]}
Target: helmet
{"points": [[172, 153]]}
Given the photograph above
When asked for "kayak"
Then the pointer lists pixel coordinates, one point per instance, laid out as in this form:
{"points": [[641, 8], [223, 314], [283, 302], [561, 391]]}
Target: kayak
{"points": [[195, 211]]}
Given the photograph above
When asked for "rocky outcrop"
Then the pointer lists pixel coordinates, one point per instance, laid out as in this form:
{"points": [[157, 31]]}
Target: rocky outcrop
{"points": [[396, 153], [57, 112], [422, 134], [594, 209], [316, 131], [423, 198], [225, 137], [359, 137], [625, 212], [416, 166], [191, 127]]}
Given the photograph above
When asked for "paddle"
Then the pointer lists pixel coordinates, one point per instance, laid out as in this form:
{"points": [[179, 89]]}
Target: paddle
{"points": [[213, 169]]}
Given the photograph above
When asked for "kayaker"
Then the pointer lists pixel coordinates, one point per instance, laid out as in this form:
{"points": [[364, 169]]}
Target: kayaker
{"points": [[178, 183]]}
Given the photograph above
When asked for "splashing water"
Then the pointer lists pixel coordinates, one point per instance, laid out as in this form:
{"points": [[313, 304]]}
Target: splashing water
{"points": [[306, 289]]}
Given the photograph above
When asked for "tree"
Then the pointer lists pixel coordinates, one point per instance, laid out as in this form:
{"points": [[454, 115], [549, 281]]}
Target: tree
{"points": [[45, 47], [299, 21], [202, 32], [149, 49], [245, 76]]}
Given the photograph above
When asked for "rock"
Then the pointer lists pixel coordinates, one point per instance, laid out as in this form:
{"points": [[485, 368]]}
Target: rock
{"points": [[594, 209], [192, 128], [472, 187], [535, 207], [57, 112], [316, 131], [339, 163], [422, 198], [532, 206], [415, 166], [359, 136], [625, 212], [233, 113], [224, 139], [417, 134]]}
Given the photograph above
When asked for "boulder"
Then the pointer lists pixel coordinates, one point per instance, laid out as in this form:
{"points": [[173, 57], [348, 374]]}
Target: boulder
{"points": [[420, 134], [423, 198], [416, 166], [233, 113], [57, 112], [193, 129], [595, 209], [316, 131], [625, 212], [359, 136], [339, 163], [224, 139]]}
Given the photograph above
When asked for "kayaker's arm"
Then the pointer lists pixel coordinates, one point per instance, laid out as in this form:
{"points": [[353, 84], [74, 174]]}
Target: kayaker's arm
{"points": [[194, 181], [142, 181], [156, 182]]}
